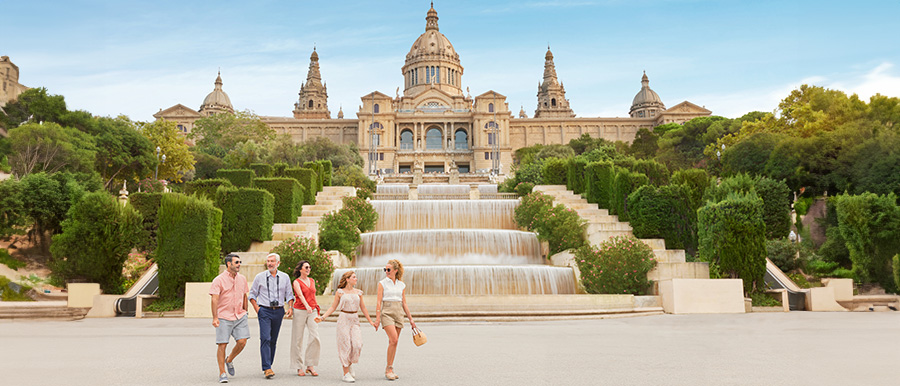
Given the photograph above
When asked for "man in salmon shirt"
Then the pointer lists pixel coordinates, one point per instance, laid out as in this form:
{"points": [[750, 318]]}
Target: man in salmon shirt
{"points": [[229, 312]]}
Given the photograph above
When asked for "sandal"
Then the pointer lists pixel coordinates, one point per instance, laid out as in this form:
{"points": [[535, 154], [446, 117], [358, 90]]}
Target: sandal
{"points": [[300, 373], [389, 374], [312, 372]]}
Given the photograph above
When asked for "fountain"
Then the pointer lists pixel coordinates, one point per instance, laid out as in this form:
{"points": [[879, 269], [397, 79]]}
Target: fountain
{"points": [[455, 247]]}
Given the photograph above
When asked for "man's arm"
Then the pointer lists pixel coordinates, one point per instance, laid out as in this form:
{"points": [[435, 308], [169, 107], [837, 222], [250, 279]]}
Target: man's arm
{"points": [[215, 310]]}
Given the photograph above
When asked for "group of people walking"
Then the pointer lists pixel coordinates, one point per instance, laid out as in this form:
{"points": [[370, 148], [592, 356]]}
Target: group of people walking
{"points": [[274, 297]]}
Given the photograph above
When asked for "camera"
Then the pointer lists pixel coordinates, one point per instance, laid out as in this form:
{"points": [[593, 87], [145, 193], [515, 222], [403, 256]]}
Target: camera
{"points": [[273, 304]]}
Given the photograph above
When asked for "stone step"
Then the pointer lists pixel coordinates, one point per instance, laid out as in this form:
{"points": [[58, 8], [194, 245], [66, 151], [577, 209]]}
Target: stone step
{"points": [[655, 244], [308, 220], [330, 202], [608, 226], [264, 246], [251, 270], [603, 219], [317, 207], [295, 228], [252, 257], [281, 236], [600, 237], [668, 271], [670, 255], [582, 205], [549, 188], [35, 311], [315, 213], [589, 213]]}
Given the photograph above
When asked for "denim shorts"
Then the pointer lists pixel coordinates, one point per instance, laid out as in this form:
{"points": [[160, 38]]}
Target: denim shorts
{"points": [[239, 329]]}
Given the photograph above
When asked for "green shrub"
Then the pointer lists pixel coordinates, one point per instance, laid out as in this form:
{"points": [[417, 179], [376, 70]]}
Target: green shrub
{"points": [[247, 216], [696, 181], [553, 171], [896, 265], [352, 175], [558, 225], [12, 209], [297, 249], [657, 173], [279, 168], [163, 305], [241, 178], [147, 204], [205, 188], [598, 185], [762, 299], [327, 171], [362, 212], [870, 224], [664, 212], [11, 292], [575, 174], [289, 197], [802, 205], [9, 261], [625, 183], [320, 173], [263, 170], [190, 231], [337, 232], [617, 266], [731, 234], [530, 208], [307, 178], [774, 194], [95, 241], [508, 185], [783, 253], [524, 188], [531, 172], [4, 165]]}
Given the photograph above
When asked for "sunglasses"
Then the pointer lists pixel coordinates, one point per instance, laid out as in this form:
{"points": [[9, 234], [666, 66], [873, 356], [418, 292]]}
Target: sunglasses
{"points": [[387, 270]]}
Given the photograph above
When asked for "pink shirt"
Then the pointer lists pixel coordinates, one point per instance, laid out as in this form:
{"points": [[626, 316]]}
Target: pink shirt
{"points": [[231, 291]]}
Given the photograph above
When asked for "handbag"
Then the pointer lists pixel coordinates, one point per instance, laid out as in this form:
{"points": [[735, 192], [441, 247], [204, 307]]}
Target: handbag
{"points": [[419, 337]]}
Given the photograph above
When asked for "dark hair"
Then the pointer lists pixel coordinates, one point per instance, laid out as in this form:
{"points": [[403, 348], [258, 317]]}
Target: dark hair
{"points": [[230, 257], [299, 266]]}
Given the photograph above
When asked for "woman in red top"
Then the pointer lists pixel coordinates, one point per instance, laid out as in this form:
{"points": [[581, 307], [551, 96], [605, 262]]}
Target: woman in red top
{"points": [[305, 312]]}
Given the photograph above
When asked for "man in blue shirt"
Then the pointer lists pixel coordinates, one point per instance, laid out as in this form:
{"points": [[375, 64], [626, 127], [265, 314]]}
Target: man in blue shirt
{"points": [[270, 294]]}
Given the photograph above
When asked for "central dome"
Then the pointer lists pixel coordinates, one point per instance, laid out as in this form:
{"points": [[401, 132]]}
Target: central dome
{"points": [[432, 61]]}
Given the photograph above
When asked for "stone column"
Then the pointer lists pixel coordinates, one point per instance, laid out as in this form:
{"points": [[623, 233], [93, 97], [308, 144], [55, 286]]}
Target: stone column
{"points": [[474, 193], [123, 194]]}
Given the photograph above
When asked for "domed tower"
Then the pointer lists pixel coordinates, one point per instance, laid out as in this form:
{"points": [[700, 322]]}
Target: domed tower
{"points": [[432, 62], [217, 102], [647, 103], [313, 103], [552, 102]]}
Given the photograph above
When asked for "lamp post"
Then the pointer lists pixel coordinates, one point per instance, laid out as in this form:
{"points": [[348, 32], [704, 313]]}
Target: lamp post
{"points": [[495, 150], [156, 172]]}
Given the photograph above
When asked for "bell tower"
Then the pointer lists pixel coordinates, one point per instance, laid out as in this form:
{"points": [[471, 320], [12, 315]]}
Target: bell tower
{"points": [[313, 102]]}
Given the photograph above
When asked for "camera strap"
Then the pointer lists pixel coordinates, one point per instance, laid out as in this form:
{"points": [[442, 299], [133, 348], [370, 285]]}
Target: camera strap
{"points": [[269, 290]]}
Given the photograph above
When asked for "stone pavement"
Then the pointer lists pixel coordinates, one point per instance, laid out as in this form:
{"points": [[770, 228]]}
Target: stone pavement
{"points": [[797, 348]]}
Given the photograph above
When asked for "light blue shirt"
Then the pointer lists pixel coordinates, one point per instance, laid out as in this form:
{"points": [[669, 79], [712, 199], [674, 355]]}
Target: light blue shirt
{"points": [[266, 288]]}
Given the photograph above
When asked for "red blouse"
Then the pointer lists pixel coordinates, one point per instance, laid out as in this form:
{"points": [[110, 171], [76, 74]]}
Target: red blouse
{"points": [[309, 292]]}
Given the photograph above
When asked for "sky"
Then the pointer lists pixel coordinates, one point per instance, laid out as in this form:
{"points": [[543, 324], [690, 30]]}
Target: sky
{"points": [[732, 57]]}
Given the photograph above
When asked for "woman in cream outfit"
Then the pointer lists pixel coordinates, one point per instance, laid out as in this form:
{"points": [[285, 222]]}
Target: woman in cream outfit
{"points": [[349, 301], [390, 307], [305, 312]]}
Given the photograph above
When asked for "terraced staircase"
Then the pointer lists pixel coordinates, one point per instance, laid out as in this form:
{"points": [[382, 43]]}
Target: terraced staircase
{"points": [[601, 226], [307, 225]]}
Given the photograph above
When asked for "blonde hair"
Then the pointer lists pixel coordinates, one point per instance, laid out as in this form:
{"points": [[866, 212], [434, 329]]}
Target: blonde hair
{"points": [[344, 277], [397, 267]]}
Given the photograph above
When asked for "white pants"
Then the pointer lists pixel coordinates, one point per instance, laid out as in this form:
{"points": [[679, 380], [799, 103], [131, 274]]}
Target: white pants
{"points": [[304, 321]]}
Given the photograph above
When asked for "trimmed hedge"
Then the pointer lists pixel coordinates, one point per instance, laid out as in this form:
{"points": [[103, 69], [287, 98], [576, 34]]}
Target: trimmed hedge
{"points": [[870, 224], [575, 174], [657, 173], [320, 173], [289, 196], [279, 168], [664, 212], [624, 184], [263, 170], [307, 178], [327, 171], [148, 205], [190, 232], [775, 196], [554, 171], [205, 188], [599, 177], [247, 216], [241, 178], [696, 181], [731, 235]]}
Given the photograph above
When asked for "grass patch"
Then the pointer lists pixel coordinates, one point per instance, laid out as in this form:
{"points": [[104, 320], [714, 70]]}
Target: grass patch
{"points": [[12, 292], [761, 299], [8, 260], [166, 305]]}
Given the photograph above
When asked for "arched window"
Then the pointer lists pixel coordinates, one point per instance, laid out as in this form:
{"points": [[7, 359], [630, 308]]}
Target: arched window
{"points": [[462, 139], [406, 140], [553, 102], [375, 109], [180, 128], [310, 103], [490, 107], [433, 139]]}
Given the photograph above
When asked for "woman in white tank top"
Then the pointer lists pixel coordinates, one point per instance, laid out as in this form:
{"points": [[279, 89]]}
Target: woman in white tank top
{"points": [[390, 308]]}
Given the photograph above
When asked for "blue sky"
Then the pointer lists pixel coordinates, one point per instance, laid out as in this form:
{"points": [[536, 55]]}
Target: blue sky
{"points": [[135, 57]]}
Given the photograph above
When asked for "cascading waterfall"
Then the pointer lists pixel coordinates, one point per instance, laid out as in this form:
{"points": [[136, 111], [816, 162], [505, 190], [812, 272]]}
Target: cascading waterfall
{"points": [[455, 247]]}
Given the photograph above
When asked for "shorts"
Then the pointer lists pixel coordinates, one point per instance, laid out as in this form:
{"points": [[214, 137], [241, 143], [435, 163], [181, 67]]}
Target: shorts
{"points": [[392, 314], [239, 329]]}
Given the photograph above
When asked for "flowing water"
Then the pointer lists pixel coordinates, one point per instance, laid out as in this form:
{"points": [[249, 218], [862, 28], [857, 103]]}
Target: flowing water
{"points": [[433, 189], [444, 214], [449, 246]]}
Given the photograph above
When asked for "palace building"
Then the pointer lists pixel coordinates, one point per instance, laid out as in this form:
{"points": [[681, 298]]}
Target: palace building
{"points": [[435, 124]]}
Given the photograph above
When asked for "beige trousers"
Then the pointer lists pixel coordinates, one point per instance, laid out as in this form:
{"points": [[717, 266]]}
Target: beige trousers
{"points": [[304, 321]]}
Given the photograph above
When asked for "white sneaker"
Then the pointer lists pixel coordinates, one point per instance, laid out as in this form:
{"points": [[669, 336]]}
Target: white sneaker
{"points": [[352, 373], [348, 378]]}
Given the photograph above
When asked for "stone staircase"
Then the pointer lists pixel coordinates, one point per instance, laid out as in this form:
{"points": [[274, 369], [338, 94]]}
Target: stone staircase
{"points": [[49, 310], [307, 225], [601, 226]]}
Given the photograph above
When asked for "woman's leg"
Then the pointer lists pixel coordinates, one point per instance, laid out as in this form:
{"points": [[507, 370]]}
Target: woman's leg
{"points": [[313, 348], [298, 325], [393, 334]]}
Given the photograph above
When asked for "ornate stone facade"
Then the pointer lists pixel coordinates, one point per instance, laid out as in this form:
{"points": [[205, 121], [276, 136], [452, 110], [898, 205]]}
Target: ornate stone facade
{"points": [[435, 124], [9, 78]]}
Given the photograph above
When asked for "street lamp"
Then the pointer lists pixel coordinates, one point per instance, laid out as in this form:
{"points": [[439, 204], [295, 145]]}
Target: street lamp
{"points": [[156, 172]]}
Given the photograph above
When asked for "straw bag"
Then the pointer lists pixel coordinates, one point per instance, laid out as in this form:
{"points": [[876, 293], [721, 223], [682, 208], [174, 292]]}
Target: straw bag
{"points": [[419, 337]]}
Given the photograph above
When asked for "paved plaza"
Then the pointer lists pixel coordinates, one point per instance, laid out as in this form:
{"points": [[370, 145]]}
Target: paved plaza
{"points": [[798, 348]]}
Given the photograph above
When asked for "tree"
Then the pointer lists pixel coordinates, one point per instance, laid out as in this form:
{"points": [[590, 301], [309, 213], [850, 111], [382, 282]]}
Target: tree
{"points": [[12, 210], [165, 135], [644, 144], [122, 152], [870, 224], [246, 153], [49, 147], [46, 199], [218, 133], [96, 237], [36, 105]]}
